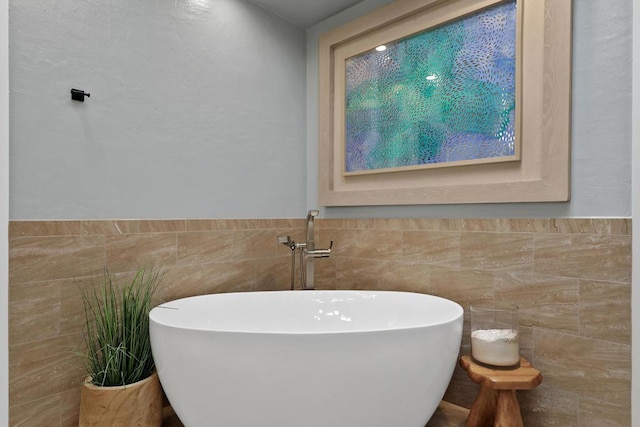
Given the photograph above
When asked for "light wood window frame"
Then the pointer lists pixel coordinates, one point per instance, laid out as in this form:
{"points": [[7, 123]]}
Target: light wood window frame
{"points": [[543, 122]]}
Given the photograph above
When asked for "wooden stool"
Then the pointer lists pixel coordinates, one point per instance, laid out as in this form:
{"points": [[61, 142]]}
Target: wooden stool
{"points": [[497, 404]]}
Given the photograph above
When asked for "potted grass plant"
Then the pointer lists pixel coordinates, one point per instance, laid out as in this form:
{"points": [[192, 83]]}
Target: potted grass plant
{"points": [[122, 388]]}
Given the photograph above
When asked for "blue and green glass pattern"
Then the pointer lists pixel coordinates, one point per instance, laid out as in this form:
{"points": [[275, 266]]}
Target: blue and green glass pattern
{"points": [[444, 95]]}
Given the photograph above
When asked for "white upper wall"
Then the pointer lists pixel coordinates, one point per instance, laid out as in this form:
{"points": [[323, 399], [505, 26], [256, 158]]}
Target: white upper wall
{"points": [[197, 110], [601, 122]]}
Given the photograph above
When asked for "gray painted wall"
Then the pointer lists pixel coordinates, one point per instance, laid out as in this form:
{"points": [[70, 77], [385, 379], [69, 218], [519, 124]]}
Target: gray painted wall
{"points": [[601, 125], [635, 239], [196, 110], [4, 214]]}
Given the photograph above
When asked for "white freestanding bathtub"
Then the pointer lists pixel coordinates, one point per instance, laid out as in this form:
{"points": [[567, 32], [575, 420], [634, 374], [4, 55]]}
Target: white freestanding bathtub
{"points": [[306, 358]]}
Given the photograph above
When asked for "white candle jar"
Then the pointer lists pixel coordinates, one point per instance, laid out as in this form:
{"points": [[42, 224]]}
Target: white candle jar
{"points": [[495, 334]]}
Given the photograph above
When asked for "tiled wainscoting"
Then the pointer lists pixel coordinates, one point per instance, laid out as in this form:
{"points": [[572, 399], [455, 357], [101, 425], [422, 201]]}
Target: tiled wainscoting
{"points": [[570, 277]]}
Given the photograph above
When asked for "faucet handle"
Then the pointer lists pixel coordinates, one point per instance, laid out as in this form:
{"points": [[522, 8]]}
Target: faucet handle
{"points": [[328, 250]]}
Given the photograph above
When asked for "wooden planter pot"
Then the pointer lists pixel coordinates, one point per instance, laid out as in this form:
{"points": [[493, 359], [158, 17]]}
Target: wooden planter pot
{"points": [[138, 404]]}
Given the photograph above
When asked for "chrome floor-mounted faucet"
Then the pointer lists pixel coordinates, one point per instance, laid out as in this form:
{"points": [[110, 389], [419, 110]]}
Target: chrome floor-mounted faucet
{"points": [[308, 254]]}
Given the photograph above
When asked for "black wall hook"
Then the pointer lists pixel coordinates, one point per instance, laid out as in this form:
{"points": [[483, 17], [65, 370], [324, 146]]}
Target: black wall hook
{"points": [[78, 95]]}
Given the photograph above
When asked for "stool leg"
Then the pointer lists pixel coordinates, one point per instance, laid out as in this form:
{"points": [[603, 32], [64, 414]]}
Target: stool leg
{"points": [[482, 413], [508, 410]]}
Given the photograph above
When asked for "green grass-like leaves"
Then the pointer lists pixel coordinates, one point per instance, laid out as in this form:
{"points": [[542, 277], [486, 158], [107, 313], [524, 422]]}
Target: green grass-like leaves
{"points": [[117, 328]]}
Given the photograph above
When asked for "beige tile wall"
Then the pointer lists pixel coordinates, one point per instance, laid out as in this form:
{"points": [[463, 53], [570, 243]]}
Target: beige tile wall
{"points": [[50, 260], [571, 278]]}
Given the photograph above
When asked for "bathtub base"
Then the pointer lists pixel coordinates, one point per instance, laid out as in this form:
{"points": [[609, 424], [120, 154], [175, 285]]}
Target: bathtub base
{"points": [[446, 415], [393, 379]]}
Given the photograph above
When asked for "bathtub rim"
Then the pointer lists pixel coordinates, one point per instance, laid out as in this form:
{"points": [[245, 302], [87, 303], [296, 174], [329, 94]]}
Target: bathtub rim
{"points": [[457, 316]]}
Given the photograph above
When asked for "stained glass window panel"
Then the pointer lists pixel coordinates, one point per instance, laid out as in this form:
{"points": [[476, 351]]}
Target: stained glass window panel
{"points": [[447, 94]]}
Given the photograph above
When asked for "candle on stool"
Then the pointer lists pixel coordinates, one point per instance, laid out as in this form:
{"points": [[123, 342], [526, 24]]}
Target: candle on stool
{"points": [[497, 347], [494, 333]]}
